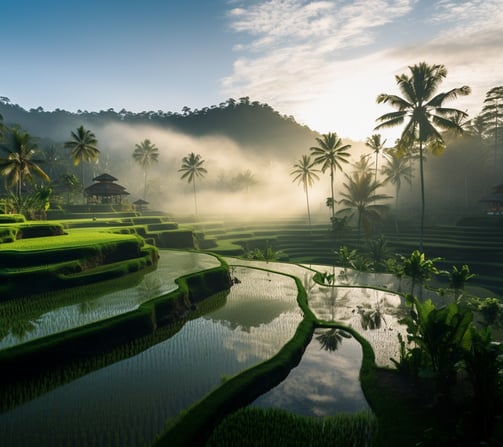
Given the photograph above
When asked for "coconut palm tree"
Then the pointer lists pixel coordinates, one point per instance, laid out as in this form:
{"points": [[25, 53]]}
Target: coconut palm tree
{"points": [[192, 168], [377, 145], [145, 154], [362, 165], [19, 165], [82, 148], [305, 173], [425, 112], [361, 197], [330, 154], [396, 170]]}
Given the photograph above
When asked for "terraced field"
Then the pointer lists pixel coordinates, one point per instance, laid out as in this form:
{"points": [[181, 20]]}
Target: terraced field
{"points": [[481, 247]]}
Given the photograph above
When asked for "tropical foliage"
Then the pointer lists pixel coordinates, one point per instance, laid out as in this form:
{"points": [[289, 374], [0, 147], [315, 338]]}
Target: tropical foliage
{"points": [[396, 170], [82, 148], [145, 154], [361, 198], [305, 174], [331, 154], [20, 165], [418, 268], [423, 107], [376, 143], [192, 168]]}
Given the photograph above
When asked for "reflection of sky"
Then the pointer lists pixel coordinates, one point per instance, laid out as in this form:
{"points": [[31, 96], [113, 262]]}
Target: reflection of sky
{"points": [[324, 383], [91, 304], [341, 303], [127, 403]]}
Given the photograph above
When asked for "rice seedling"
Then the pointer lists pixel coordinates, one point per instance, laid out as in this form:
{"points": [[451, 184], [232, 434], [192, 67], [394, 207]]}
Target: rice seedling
{"points": [[250, 427]]}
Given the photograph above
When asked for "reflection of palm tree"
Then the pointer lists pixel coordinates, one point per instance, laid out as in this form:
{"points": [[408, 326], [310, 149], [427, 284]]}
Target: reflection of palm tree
{"points": [[332, 338], [371, 318], [330, 154], [425, 113], [145, 154], [192, 168], [306, 174]]}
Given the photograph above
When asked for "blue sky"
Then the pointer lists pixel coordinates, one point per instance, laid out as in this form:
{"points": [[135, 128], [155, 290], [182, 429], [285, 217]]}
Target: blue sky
{"points": [[324, 62]]}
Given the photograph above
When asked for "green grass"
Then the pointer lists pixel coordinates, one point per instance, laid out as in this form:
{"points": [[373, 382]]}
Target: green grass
{"points": [[251, 427]]}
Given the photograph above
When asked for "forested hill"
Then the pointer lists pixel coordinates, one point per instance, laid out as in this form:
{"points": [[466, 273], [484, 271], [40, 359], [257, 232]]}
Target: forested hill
{"points": [[250, 124]]}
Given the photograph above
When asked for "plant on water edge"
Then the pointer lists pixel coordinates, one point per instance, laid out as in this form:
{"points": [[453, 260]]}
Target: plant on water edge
{"points": [[444, 342], [418, 268], [268, 254], [345, 257], [440, 335], [458, 278]]}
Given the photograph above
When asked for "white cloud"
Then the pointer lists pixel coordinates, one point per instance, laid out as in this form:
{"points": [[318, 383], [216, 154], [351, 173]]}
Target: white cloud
{"points": [[323, 61]]}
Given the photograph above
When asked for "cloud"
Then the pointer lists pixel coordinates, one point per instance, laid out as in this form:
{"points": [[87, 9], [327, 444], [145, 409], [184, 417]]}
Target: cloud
{"points": [[324, 62]]}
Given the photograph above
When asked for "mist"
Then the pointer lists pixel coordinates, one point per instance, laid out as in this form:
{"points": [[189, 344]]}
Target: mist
{"points": [[270, 193]]}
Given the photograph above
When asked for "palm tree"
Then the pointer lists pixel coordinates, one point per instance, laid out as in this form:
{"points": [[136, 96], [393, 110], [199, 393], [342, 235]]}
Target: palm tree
{"points": [[360, 197], [306, 174], [330, 154], [362, 165], [19, 163], [425, 113], [192, 168], [375, 143], [83, 148], [395, 170], [145, 154]]}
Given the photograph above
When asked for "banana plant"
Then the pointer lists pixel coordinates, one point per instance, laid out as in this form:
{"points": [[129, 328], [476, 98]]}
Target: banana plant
{"points": [[442, 335]]}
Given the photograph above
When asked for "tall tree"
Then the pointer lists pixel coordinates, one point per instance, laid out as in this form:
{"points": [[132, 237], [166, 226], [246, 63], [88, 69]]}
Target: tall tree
{"points": [[305, 173], [331, 154], [19, 164], [425, 113], [192, 168], [395, 170], [491, 117], [82, 148], [377, 145], [362, 165], [361, 197], [145, 154]]}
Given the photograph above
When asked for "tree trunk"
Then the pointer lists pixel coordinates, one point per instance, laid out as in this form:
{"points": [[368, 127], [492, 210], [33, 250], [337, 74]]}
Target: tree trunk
{"points": [[308, 210], [421, 230]]}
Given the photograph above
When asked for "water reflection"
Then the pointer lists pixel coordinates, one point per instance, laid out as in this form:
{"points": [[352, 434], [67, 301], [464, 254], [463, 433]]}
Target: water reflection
{"points": [[28, 318], [127, 403], [324, 383], [249, 309], [330, 339]]}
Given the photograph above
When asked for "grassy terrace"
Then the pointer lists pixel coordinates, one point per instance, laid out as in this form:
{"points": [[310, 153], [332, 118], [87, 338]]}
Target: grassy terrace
{"points": [[479, 247], [109, 244]]}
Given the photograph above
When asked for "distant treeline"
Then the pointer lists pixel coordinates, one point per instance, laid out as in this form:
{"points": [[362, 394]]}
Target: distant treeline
{"points": [[249, 123]]}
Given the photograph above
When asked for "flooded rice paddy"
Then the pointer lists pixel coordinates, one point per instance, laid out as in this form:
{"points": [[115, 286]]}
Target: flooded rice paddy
{"points": [[29, 318], [129, 402]]}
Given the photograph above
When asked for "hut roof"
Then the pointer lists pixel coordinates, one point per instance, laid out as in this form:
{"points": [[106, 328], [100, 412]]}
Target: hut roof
{"points": [[140, 202], [106, 189], [104, 178]]}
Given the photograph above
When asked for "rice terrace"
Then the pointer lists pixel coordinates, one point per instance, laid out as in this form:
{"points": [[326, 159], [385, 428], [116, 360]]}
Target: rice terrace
{"points": [[212, 291]]}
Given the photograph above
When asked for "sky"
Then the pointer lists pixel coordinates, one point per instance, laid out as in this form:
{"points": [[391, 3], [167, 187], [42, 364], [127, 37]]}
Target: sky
{"points": [[322, 62]]}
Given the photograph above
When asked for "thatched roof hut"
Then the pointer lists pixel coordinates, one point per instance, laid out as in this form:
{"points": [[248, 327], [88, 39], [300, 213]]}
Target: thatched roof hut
{"points": [[105, 191]]}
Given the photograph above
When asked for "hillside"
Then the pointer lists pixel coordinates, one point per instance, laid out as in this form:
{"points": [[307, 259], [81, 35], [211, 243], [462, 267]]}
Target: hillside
{"points": [[249, 124]]}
